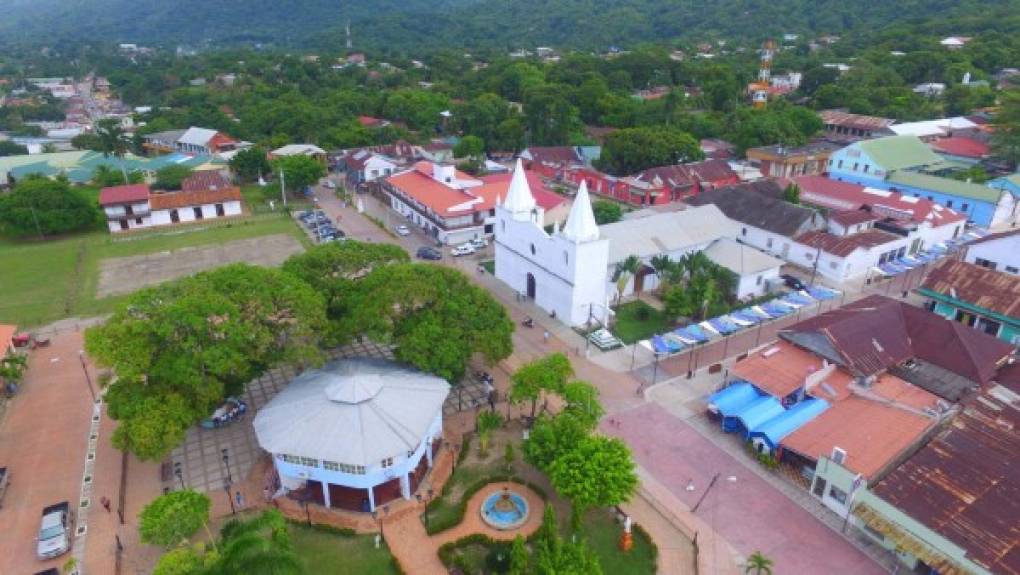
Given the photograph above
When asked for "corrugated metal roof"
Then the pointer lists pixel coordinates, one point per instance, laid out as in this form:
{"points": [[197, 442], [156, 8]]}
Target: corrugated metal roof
{"points": [[899, 152], [667, 232], [995, 291], [739, 258], [945, 186], [964, 485]]}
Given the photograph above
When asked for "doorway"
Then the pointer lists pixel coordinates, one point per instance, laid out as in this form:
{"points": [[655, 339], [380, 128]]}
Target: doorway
{"points": [[531, 286], [174, 216]]}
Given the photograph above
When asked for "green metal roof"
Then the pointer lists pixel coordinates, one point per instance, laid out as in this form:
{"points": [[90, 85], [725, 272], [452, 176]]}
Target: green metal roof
{"points": [[899, 152], [78, 166], [946, 186]]}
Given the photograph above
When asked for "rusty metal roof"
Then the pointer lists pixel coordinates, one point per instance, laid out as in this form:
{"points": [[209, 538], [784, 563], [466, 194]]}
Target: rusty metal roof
{"points": [[877, 333], [998, 292], [965, 485]]}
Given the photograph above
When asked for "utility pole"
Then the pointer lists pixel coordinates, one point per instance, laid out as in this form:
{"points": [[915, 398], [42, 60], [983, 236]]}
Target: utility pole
{"points": [[283, 188]]}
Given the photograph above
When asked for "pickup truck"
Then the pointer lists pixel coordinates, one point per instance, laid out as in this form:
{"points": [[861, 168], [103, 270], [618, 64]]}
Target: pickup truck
{"points": [[55, 531]]}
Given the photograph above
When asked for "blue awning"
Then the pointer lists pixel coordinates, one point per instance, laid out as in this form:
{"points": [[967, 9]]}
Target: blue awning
{"points": [[775, 429], [724, 325], [731, 399], [819, 292], [759, 411]]}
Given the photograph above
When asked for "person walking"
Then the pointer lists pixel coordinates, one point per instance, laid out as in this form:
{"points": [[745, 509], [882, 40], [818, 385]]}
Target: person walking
{"points": [[240, 500], [545, 336]]}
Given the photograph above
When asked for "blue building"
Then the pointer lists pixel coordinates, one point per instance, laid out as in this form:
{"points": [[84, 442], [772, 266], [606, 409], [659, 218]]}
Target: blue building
{"points": [[907, 165]]}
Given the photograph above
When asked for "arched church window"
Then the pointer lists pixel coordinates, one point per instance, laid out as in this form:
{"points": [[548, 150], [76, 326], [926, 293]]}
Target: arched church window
{"points": [[566, 257], [532, 249]]}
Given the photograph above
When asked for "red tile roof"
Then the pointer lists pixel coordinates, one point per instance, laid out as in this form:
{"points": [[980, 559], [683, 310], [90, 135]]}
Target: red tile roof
{"points": [[836, 195], [853, 217], [184, 199], [545, 198], [369, 121], [995, 291], [782, 370], [445, 200], [560, 155], [204, 180], [858, 121], [845, 245], [123, 194], [963, 147]]}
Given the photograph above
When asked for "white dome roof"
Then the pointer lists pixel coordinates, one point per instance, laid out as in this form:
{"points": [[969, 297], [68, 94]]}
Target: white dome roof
{"points": [[357, 412]]}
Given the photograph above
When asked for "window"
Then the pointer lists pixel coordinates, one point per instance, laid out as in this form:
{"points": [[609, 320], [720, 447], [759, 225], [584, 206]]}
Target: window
{"points": [[866, 167], [964, 206], [856, 165], [838, 494], [986, 263], [758, 281], [768, 243], [344, 467], [330, 465], [532, 249], [833, 265], [129, 210], [388, 462], [566, 257], [309, 462], [840, 165], [743, 231], [290, 458], [138, 221], [197, 212], [1012, 270], [503, 226], [220, 212], [949, 204]]}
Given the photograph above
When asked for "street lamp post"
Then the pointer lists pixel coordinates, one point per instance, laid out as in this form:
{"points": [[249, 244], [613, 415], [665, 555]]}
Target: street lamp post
{"points": [[228, 482], [88, 378], [177, 472]]}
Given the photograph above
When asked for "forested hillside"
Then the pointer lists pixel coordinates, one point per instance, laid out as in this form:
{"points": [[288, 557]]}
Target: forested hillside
{"points": [[417, 25]]}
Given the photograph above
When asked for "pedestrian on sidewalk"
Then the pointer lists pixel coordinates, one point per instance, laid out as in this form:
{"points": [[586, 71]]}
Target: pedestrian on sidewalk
{"points": [[240, 500]]}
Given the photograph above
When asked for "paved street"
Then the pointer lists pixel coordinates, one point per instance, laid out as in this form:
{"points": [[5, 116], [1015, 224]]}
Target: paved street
{"points": [[43, 439]]}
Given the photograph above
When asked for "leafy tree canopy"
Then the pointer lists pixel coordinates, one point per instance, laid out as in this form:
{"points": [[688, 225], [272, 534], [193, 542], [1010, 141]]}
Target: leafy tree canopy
{"points": [[436, 317], [43, 206], [606, 212], [299, 171], [174, 517], [596, 472], [178, 349], [170, 177], [9, 148], [250, 163], [631, 150]]}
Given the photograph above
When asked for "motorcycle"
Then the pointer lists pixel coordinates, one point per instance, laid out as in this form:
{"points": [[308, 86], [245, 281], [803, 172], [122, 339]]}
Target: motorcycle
{"points": [[528, 322]]}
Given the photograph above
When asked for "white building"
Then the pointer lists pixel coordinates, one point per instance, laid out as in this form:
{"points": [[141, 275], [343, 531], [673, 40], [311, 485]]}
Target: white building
{"points": [[1000, 252], [842, 258], [203, 196], [365, 166], [562, 272], [756, 271], [355, 434]]}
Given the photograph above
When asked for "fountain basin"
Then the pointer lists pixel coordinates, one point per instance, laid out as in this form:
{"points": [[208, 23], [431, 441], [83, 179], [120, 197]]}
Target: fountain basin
{"points": [[504, 510]]}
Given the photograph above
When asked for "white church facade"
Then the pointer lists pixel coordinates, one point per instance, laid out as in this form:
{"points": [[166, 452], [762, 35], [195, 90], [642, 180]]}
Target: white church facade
{"points": [[563, 272]]}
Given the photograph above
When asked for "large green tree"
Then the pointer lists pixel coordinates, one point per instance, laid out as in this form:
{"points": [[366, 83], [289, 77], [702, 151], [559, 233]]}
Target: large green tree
{"points": [[434, 315], [250, 163], [299, 171], [596, 472], [606, 212], [9, 148], [171, 177], [43, 206], [548, 374], [180, 348], [1006, 137], [631, 150], [334, 268], [172, 518]]}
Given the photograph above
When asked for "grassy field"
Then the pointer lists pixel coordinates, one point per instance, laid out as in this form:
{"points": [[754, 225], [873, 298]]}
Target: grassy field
{"points": [[42, 281], [603, 535], [258, 197], [330, 554], [636, 320]]}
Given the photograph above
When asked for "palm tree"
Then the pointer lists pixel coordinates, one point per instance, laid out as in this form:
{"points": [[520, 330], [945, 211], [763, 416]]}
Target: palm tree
{"points": [[662, 265], [760, 564], [113, 141], [623, 272], [257, 546]]}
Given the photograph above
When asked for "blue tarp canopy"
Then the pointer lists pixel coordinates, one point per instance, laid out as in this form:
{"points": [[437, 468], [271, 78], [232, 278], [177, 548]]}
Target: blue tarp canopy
{"points": [[724, 325], [819, 292], [745, 316], [731, 399], [697, 330], [689, 335], [759, 411], [775, 429], [663, 345]]}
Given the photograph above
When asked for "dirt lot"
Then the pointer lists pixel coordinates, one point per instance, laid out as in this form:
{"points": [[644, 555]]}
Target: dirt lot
{"points": [[125, 275]]}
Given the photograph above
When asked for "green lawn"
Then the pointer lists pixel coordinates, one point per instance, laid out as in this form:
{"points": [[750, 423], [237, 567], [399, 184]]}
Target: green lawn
{"points": [[42, 281], [490, 266], [258, 197], [603, 535], [636, 320], [332, 554]]}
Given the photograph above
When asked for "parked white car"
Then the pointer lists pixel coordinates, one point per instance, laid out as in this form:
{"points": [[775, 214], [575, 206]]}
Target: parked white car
{"points": [[403, 231], [463, 250], [329, 184], [479, 243]]}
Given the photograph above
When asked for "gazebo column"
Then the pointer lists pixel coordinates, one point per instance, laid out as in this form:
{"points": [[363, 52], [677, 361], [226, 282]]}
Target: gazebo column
{"points": [[405, 485], [428, 451], [325, 494], [371, 499]]}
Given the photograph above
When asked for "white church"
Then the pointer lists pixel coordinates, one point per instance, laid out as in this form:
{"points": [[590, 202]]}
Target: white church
{"points": [[569, 272], [563, 272]]}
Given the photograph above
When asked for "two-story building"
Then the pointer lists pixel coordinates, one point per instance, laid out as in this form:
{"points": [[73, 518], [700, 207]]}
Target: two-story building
{"points": [[203, 195], [126, 207], [454, 207], [845, 127], [977, 296], [999, 252], [785, 162]]}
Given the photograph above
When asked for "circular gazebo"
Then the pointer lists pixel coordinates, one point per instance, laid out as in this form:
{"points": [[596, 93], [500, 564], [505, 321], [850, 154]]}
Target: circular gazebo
{"points": [[356, 433]]}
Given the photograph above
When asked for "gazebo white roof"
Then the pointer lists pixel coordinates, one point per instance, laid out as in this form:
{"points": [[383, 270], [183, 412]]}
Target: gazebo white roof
{"points": [[357, 412]]}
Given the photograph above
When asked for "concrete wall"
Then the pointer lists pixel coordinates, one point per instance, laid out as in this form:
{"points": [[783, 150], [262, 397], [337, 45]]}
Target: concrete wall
{"points": [[187, 214], [1004, 253]]}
